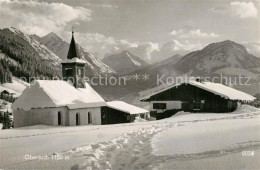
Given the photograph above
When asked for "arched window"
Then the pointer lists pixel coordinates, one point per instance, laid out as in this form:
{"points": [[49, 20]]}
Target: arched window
{"points": [[77, 119], [59, 118], [89, 118]]}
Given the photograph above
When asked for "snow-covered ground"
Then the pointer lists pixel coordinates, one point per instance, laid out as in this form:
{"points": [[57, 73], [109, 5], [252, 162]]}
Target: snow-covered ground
{"points": [[184, 141], [17, 86]]}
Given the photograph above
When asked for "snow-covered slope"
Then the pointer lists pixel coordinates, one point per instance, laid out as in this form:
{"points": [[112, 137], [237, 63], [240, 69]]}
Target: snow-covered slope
{"points": [[17, 86], [124, 62], [24, 56], [55, 44], [60, 47], [163, 144], [42, 50], [211, 133]]}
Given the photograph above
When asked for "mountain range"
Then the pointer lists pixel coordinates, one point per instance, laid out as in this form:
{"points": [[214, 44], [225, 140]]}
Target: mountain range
{"points": [[227, 59], [25, 55], [60, 47], [125, 62]]}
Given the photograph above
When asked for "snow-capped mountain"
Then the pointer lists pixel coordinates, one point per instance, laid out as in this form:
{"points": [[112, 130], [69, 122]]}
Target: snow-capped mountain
{"points": [[164, 67], [216, 56], [124, 62], [224, 58], [60, 47], [56, 44]]}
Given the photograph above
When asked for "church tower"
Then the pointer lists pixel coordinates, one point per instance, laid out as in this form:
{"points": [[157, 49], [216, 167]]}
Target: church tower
{"points": [[73, 67]]}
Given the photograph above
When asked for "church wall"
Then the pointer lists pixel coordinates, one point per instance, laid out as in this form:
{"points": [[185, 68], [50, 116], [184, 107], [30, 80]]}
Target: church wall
{"points": [[49, 116], [83, 116], [45, 116]]}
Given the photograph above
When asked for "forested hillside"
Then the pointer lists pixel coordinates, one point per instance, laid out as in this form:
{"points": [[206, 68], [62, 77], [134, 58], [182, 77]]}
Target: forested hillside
{"points": [[5, 73], [20, 59]]}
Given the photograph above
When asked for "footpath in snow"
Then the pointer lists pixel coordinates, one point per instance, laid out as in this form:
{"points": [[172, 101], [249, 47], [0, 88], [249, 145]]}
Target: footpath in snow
{"points": [[182, 141], [184, 137]]}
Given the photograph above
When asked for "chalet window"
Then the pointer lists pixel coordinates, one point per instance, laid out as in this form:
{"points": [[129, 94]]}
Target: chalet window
{"points": [[159, 106], [68, 72], [80, 72], [197, 105]]}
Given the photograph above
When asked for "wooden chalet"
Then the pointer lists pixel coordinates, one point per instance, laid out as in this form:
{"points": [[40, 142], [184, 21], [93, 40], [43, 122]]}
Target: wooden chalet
{"points": [[197, 96]]}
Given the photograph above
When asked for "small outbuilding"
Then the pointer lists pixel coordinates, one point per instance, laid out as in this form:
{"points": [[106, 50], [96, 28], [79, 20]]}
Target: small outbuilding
{"points": [[8, 95], [197, 96], [121, 112]]}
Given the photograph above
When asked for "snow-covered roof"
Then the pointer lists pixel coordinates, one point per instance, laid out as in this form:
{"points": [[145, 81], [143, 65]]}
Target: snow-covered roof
{"points": [[125, 107], [74, 60], [56, 93], [216, 88]]}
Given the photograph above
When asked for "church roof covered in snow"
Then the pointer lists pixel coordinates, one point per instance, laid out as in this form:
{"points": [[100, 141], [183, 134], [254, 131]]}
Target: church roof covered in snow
{"points": [[57, 93], [125, 107], [216, 88], [74, 60]]}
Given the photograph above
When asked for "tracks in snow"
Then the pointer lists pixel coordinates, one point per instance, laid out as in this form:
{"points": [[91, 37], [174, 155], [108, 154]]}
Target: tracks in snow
{"points": [[133, 150]]}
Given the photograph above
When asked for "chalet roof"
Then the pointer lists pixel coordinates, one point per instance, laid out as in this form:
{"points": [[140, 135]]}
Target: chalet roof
{"points": [[125, 107], [216, 88], [57, 93], [73, 51]]}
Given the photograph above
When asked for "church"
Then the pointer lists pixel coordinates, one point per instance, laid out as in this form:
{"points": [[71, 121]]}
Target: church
{"points": [[69, 102]]}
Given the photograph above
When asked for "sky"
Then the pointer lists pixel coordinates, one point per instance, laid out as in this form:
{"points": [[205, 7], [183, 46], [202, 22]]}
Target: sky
{"points": [[150, 29]]}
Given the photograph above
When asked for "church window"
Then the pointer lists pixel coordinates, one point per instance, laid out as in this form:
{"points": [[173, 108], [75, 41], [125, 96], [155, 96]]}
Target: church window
{"points": [[59, 118], [77, 119], [68, 72], [79, 72], [89, 118]]}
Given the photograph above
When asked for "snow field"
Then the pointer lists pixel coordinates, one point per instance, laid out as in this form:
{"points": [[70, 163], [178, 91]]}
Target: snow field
{"points": [[126, 146], [134, 149], [104, 155]]}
